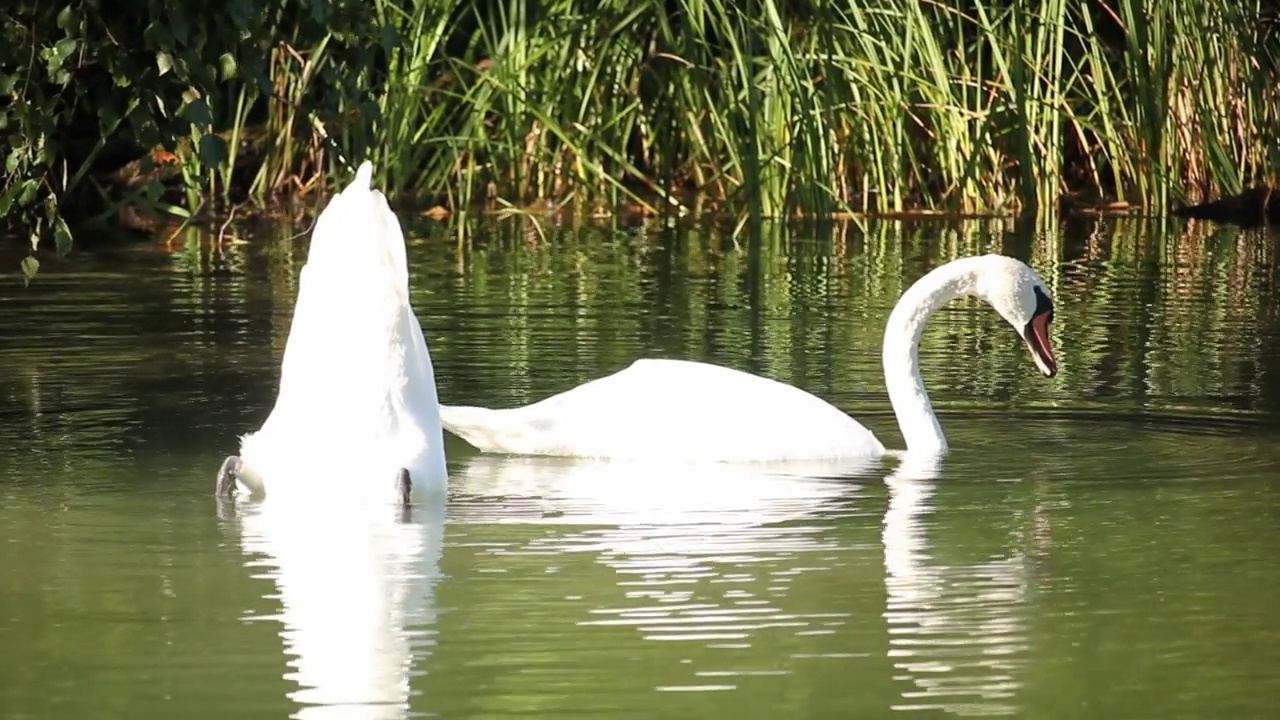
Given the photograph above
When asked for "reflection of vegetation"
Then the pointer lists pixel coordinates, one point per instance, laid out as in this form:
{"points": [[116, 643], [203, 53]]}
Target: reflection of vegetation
{"points": [[1171, 320], [133, 593], [118, 564], [1152, 319], [121, 389], [1145, 320]]}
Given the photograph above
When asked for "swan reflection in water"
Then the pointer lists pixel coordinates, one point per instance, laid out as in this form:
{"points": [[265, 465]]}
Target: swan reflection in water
{"points": [[957, 633], [356, 586], [630, 493], [702, 551]]}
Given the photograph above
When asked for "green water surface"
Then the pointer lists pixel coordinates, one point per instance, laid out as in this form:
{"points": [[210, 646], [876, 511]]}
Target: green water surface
{"points": [[1101, 545]]}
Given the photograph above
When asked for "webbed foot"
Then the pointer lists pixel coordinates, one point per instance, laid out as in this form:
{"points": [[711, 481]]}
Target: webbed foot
{"points": [[226, 483], [404, 486]]}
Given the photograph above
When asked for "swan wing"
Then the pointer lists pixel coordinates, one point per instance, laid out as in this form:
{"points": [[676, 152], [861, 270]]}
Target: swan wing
{"points": [[675, 409]]}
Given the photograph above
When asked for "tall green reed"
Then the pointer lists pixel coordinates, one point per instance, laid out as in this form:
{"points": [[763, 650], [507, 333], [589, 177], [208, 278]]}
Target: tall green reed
{"points": [[776, 109]]}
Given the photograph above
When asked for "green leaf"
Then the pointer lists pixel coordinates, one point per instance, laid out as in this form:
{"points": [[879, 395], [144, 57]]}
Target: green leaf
{"points": [[65, 18], [29, 187], [45, 150], [15, 157], [6, 198], [61, 237], [66, 47], [227, 65], [178, 24], [390, 38], [52, 59], [213, 150], [157, 37], [318, 11], [108, 118], [241, 12], [164, 61], [175, 210], [204, 73], [147, 133], [29, 267], [197, 111], [260, 79], [8, 83], [200, 39]]}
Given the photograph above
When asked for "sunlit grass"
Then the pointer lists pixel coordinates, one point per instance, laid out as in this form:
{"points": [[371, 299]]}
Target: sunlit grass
{"points": [[771, 109]]}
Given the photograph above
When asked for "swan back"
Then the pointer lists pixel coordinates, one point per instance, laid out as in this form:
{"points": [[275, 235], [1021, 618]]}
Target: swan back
{"points": [[676, 409], [357, 396]]}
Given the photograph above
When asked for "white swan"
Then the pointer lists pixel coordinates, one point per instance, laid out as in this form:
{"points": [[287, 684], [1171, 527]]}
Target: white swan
{"points": [[692, 411], [357, 406]]}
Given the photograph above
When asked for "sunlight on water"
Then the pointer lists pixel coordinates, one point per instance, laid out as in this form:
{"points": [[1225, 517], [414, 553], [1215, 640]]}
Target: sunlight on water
{"points": [[1099, 545]]}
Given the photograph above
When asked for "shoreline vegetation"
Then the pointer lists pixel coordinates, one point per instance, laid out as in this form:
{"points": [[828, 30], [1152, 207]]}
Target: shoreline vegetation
{"points": [[683, 107]]}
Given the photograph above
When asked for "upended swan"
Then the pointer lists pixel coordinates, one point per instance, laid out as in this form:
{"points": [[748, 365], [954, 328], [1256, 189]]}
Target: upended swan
{"points": [[357, 405], [692, 411]]}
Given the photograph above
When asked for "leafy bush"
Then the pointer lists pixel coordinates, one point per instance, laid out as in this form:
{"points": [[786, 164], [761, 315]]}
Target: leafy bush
{"points": [[767, 108]]}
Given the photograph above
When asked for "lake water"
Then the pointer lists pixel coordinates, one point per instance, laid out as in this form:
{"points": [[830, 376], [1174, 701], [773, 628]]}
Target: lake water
{"points": [[1105, 544]]}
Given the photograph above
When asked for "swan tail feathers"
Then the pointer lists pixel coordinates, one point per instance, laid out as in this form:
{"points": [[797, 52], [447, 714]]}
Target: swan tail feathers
{"points": [[364, 177], [487, 430]]}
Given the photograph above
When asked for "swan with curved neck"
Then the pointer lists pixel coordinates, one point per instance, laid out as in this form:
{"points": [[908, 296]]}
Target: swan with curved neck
{"points": [[1012, 288], [357, 405], [694, 411]]}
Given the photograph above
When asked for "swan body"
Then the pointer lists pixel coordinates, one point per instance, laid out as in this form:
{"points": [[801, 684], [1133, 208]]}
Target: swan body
{"points": [[675, 409], [357, 406], [692, 411]]}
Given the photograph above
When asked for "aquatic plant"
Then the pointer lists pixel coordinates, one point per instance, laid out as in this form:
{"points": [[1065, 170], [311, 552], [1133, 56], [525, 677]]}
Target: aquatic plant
{"points": [[681, 106]]}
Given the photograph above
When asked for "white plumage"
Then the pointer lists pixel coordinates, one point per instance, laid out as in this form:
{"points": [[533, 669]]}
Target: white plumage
{"points": [[691, 411], [357, 399]]}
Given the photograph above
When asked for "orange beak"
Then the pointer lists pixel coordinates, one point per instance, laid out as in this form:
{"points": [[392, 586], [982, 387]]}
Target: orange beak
{"points": [[1037, 336]]}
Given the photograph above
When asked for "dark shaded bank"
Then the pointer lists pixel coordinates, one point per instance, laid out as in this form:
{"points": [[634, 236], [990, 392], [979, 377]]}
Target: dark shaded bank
{"points": [[1254, 207]]}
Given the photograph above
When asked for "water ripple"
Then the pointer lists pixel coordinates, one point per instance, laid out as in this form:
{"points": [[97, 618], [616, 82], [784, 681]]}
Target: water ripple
{"points": [[957, 632]]}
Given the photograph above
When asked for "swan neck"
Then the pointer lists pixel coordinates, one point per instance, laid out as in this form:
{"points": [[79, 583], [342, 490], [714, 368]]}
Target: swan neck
{"points": [[911, 406]]}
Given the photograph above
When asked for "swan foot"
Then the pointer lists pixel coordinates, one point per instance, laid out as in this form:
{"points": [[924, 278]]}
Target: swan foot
{"points": [[404, 486], [227, 474]]}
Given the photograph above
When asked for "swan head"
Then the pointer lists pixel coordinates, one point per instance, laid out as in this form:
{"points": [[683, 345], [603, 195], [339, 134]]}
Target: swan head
{"points": [[1021, 297]]}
